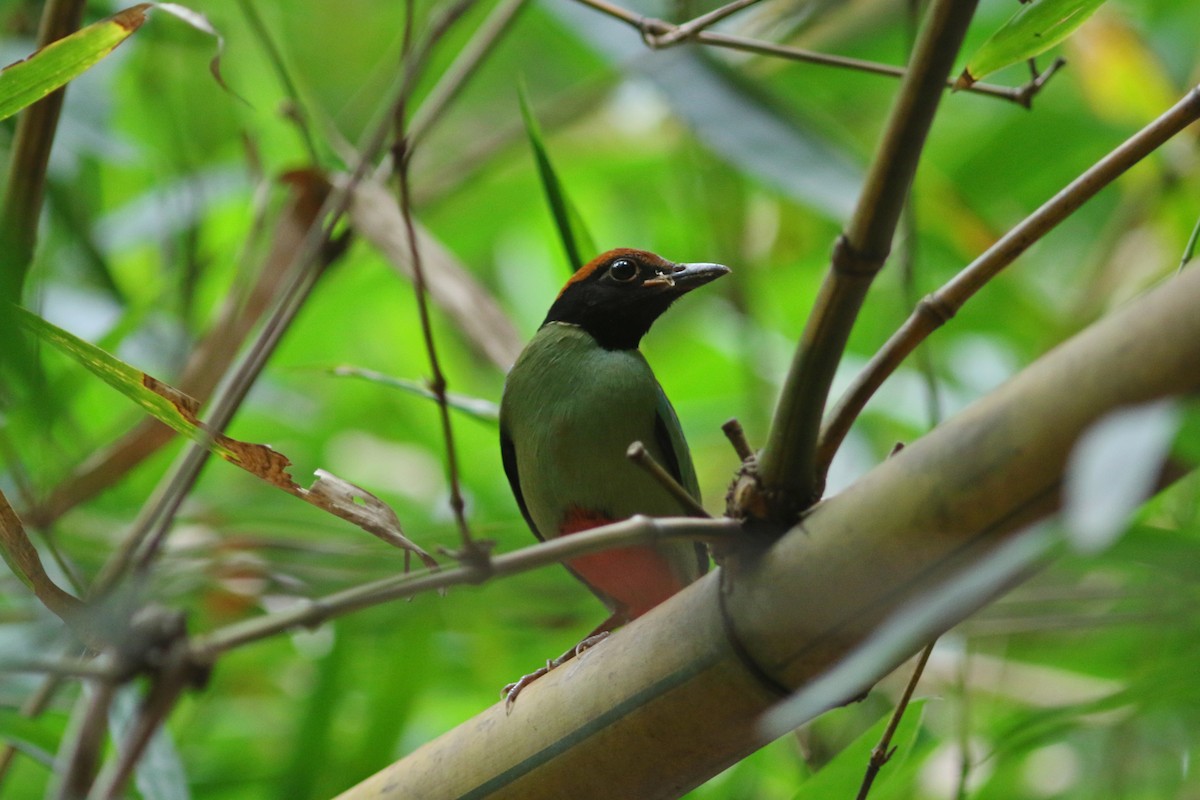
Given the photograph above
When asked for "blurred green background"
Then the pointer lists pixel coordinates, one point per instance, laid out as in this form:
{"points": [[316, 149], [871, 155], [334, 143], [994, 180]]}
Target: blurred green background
{"points": [[1079, 684]]}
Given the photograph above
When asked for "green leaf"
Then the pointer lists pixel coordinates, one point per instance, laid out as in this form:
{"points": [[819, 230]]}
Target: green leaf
{"points": [[574, 235], [51, 67], [476, 407], [167, 405], [1035, 28]]}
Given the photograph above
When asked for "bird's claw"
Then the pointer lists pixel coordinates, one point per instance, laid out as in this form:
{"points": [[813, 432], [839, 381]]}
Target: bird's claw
{"points": [[591, 641], [510, 692]]}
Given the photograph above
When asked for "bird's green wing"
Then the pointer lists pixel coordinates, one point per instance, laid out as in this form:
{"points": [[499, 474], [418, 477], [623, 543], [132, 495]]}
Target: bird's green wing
{"points": [[508, 454], [669, 435]]}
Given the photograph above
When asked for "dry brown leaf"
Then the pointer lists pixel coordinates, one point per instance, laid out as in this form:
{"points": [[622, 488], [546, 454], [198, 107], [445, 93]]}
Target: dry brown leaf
{"points": [[25, 562], [357, 505]]}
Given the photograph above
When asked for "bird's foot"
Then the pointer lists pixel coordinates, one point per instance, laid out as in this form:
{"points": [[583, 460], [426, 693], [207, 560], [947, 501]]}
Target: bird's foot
{"points": [[577, 650], [510, 692]]}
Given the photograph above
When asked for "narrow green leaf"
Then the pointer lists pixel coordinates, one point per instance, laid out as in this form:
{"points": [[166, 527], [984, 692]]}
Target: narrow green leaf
{"points": [[172, 408], [180, 411], [1035, 28], [571, 230], [51, 67], [476, 407], [1189, 250]]}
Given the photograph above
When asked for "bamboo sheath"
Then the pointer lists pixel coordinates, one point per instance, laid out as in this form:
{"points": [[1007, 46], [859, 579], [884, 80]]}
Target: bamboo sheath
{"points": [[666, 702]]}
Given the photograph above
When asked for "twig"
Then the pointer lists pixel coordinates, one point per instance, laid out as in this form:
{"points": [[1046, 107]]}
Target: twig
{"points": [[737, 437], [659, 34], [470, 551], [165, 690], [637, 530], [638, 454], [883, 751], [685, 31], [788, 477], [938, 308]]}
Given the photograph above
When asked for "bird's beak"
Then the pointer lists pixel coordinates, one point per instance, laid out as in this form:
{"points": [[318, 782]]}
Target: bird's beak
{"points": [[685, 277]]}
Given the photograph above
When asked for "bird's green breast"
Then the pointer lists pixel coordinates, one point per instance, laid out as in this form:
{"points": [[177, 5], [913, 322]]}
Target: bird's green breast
{"points": [[571, 409]]}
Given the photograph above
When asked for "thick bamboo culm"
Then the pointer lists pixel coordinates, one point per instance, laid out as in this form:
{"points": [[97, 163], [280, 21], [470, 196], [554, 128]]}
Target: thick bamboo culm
{"points": [[666, 703]]}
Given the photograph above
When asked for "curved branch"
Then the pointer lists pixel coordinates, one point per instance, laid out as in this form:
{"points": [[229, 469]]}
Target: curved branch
{"points": [[938, 308], [787, 481]]}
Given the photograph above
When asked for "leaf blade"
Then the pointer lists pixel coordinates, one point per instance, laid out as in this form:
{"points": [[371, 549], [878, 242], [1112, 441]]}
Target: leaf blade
{"points": [[53, 66], [1032, 30]]}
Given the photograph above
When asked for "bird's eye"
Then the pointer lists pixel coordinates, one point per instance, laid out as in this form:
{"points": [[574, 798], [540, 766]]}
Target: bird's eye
{"points": [[623, 270]]}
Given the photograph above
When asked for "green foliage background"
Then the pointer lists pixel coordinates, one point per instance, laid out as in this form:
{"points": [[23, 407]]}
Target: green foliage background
{"points": [[1079, 684]]}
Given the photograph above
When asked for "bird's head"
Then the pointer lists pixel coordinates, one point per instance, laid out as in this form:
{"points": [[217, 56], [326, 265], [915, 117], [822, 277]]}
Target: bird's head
{"points": [[617, 296]]}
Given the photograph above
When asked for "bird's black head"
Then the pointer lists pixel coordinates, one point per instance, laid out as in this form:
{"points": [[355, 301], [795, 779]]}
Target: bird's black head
{"points": [[617, 296]]}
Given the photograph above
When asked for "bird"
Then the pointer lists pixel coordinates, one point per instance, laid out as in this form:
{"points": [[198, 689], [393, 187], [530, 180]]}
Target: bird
{"points": [[579, 394]]}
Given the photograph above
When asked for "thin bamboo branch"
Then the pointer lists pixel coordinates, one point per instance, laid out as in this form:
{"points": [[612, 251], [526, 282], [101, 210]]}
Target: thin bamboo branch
{"points": [[166, 688], [638, 454], [882, 752], [470, 550], [938, 308], [634, 531], [788, 480], [658, 34], [80, 758], [211, 358]]}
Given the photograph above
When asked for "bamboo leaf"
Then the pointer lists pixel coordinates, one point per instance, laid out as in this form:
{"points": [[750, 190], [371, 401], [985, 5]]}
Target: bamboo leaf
{"points": [[1035, 28], [571, 231], [476, 407], [179, 411], [23, 559], [53, 66]]}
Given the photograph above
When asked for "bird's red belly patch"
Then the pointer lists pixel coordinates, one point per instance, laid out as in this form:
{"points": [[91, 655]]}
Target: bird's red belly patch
{"points": [[637, 578]]}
